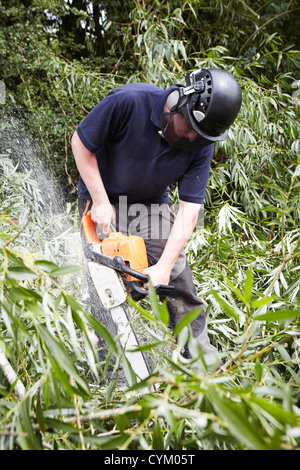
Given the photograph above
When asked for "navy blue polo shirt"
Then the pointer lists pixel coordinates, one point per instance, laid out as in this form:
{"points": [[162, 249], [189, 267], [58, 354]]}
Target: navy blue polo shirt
{"points": [[133, 159]]}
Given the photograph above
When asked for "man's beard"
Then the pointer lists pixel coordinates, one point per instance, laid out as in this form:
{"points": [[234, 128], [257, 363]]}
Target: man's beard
{"points": [[183, 143]]}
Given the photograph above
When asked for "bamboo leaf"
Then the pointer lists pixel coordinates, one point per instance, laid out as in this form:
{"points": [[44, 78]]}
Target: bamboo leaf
{"points": [[99, 328], [62, 358], [225, 305], [158, 442], [21, 273], [65, 270], [248, 285], [237, 421], [186, 320], [281, 415], [278, 315], [160, 311], [47, 266]]}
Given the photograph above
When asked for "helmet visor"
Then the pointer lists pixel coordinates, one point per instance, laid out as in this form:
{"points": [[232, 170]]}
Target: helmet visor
{"points": [[169, 133]]}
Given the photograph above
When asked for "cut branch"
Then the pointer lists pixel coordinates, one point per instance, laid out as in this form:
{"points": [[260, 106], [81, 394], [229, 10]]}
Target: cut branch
{"points": [[11, 376]]}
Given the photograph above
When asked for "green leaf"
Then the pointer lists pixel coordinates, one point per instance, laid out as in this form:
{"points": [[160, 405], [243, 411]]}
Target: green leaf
{"points": [[164, 313], [14, 319], [257, 303], [122, 422], [60, 375], [160, 311], [13, 258], [278, 315], [66, 270], [237, 421], [128, 371], [280, 414], [225, 305], [248, 285], [47, 266], [237, 292], [258, 370], [32, 442], [5, 236], [18, 292], [143, 312], [39, 414], [145, 347], [158, 442], [63, 359], [187, 319], [110, 389], [99, 328], [19, 273]]}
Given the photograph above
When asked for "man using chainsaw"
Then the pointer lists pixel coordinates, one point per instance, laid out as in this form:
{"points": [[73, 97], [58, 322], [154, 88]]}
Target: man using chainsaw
{"points": [[138, 141]]}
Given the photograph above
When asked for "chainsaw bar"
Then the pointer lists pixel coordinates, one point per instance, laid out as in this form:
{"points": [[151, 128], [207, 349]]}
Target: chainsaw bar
{"points": [[116, 267], [112, 294]]}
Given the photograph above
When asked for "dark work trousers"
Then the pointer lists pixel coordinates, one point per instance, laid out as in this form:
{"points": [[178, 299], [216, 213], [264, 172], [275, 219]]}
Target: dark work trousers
{"points": [[153, 223]]}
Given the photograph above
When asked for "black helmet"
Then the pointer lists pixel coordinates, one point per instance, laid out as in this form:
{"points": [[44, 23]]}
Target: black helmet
{"points": [[210, 102]]}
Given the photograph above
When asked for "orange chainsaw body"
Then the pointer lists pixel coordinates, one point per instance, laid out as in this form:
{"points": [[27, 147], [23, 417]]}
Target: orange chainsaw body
{"points": [[131, 248]]}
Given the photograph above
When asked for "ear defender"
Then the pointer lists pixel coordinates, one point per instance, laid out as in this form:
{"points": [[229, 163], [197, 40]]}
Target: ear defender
{"points": [[176, 99]]}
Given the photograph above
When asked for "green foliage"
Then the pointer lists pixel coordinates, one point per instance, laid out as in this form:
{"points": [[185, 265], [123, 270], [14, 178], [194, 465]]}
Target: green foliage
{"points": [[252, 402]]}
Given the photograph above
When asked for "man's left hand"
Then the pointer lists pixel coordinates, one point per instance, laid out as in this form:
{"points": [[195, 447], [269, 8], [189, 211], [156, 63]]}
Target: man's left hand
{"points": [[157, 274]]}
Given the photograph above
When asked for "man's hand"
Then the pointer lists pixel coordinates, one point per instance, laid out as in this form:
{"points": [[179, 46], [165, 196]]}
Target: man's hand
{"points": [[158, 275], [104, 216]]}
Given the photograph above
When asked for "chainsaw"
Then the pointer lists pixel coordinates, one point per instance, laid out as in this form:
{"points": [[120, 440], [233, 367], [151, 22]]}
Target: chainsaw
{"points": [[116, 264]]}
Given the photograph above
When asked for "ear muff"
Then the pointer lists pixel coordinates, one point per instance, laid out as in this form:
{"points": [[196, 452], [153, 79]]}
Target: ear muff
{"points": [[173, 99], [176, 99]]}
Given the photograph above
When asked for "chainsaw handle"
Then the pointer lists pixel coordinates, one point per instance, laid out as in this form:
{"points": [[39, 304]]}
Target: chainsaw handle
{"points": [[160, 288], [117, 264]]}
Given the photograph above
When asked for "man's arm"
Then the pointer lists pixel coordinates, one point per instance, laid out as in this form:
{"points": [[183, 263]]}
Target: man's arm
{"points": [[182, 229], [102, 212]]}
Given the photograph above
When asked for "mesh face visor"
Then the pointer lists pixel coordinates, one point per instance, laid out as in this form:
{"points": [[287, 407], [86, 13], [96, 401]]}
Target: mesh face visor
{"points": [[184, 143]]}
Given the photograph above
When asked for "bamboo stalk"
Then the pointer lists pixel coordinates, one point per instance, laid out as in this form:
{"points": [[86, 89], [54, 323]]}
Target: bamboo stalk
{"points": [[103, 414], [11, 376]]}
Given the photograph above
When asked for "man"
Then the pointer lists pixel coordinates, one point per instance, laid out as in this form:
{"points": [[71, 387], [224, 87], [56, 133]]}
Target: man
{"points": [[134, 144]]}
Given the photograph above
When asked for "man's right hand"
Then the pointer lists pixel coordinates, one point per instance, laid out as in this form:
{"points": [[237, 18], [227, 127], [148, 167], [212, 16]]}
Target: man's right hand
{"points": [[103, 215]]}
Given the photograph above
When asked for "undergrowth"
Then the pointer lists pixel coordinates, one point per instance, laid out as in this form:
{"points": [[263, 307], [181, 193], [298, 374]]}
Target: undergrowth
{"points": [[250, 285]]}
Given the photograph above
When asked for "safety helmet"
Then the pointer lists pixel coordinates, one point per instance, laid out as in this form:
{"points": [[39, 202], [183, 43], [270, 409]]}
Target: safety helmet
{"points": [[210, 102]]}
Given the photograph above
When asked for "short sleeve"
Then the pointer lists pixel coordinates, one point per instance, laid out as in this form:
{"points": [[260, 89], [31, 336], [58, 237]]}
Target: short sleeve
{"points": [[192, 185], [101, 123]]}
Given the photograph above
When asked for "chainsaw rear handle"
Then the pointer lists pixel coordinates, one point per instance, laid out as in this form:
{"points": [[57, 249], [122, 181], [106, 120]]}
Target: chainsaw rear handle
{"points": [[160, 288], [117, 264]]}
